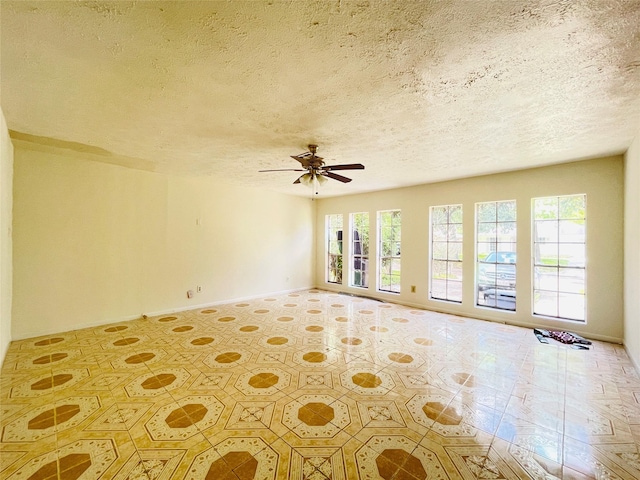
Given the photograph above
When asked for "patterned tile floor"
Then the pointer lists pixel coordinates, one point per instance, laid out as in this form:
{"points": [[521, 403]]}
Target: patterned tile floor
{"points": [[317, 386]]}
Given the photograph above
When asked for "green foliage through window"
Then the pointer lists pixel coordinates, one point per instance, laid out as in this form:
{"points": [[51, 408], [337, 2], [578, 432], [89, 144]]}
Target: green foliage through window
{"points": [[359, 250], [389, 248], [496, 237], [446, 253], [559, 256], [334, 248]]}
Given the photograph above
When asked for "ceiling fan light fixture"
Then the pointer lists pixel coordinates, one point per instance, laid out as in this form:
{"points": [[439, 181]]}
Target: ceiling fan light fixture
{"points": [[316, 172], [307, 179]]}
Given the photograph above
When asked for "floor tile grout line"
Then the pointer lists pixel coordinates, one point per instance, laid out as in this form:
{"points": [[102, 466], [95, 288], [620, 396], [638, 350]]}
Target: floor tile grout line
{"points": [[193, 362]]}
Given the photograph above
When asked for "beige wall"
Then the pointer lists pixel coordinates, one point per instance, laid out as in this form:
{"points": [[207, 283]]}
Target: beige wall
{"points": [[601, 180], [632, 251], [6, 261], [97, 243]]}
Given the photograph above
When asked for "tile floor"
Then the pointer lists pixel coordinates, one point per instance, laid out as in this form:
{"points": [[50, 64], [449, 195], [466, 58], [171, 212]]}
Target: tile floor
{"points": [[314, 385]]}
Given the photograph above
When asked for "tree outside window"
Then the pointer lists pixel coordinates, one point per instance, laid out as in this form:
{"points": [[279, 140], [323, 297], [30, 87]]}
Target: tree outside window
{"points": [[389, 247], [559, 259], [334, 248], [446, 253], [496, 236], [359, 250]]}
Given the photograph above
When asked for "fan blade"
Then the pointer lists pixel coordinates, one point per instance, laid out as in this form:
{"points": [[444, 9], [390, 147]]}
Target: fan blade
{"points": [[283, 170], [298, 179], [303, 161], [335, 176], [350, 166]]}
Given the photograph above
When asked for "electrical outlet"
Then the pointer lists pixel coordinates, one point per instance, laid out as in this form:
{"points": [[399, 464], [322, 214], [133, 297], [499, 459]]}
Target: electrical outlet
{"points": [[413, 289], [199, 289]]}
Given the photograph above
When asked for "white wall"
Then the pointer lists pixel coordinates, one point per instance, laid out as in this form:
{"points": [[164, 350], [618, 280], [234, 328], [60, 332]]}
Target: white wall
{"points": [[601, 180], [6, 261], [97, 243], [632, 251]]}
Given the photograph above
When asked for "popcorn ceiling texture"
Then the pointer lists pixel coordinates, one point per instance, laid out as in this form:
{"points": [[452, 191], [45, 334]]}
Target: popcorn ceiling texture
{"points": [[417, 91]]}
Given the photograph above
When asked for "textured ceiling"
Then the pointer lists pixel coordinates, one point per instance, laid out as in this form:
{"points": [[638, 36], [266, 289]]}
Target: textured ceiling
{"points": [[417, 91]]}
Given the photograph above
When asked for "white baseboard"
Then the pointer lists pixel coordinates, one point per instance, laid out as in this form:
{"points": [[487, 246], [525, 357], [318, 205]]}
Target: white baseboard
{"points": [[481, 314], [222, 302], [128, 318], [632, 358], [80, 326], [372, 295]]}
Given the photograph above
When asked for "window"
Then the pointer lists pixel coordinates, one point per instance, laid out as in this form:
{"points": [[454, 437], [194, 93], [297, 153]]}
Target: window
{"points": [[446, 253], [334, 248], [496, 255], [359, 250], [389, 223], [559, 259]]}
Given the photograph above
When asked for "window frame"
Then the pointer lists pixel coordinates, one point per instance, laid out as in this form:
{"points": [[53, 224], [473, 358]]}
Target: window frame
{"points": [[334, 249], [538, 267], [434, 241], [393, 259], [359, 259], [503, 271]]}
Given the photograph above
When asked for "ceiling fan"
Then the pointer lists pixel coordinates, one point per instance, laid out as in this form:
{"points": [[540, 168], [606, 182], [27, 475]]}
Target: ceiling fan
{"points": [[316, 169]]}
